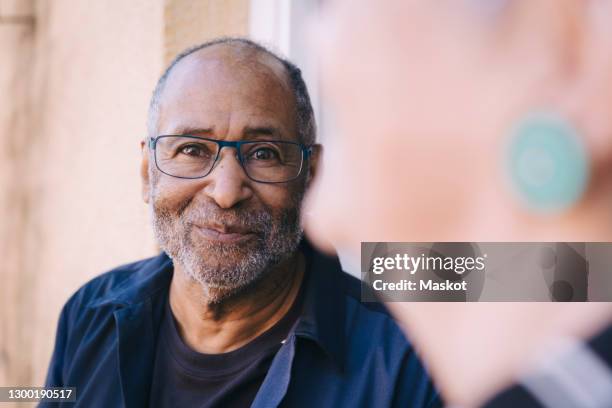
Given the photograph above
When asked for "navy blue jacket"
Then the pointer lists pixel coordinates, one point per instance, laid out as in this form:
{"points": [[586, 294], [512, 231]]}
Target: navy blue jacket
{"points": [[342, 353]]}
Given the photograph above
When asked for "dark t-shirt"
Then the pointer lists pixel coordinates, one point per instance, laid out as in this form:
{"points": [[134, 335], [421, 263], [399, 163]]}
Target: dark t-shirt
{"points": [[183, 377]]}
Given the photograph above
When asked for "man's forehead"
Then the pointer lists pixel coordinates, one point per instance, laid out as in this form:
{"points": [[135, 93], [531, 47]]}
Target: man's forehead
{"points": [[230, 60], [219, 82]]}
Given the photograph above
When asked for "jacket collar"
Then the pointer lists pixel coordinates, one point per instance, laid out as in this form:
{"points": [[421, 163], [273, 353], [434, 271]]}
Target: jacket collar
{"points": [[149, 277], [323, 315]]}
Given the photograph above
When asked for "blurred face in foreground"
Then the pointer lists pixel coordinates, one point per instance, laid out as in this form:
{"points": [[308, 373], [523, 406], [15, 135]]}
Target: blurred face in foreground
{"points": [[423, 95]]}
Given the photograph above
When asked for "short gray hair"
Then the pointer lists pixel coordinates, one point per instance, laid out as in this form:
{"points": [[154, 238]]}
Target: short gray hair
{"points": [[305, 125]]}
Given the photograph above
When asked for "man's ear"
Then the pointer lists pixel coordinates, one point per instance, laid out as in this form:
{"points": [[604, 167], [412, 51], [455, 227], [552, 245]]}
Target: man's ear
{"points": [[144, 172], [314, 162]]}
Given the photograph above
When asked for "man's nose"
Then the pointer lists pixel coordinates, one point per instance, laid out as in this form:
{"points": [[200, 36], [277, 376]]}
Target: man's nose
{"points": [[227, 184]]}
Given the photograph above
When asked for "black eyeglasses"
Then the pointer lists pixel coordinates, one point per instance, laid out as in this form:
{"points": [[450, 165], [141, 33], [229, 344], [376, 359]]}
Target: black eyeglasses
{"points": [[264, 161]]}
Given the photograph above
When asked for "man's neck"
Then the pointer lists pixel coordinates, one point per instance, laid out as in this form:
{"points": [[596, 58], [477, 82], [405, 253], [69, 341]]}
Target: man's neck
{"points": [[214, 328]]}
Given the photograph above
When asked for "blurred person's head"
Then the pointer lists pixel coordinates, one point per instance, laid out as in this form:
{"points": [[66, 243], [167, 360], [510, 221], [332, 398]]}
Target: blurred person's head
{"points": [[425, 97], [226, 215]]}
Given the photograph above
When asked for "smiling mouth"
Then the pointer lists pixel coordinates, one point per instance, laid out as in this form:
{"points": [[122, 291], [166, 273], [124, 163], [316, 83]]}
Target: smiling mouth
{"points": [[223, 234]]}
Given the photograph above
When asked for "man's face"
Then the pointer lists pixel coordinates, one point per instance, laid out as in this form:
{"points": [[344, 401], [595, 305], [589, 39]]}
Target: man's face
{"points": [[226, 230]]}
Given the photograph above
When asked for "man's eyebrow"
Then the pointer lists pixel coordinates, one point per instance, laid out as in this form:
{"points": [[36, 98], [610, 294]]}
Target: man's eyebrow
{"points": [[262, 131], [192, 130]]}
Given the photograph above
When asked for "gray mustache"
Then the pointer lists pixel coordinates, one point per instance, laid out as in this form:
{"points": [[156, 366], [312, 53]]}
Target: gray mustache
{"points": [[258, 221]]}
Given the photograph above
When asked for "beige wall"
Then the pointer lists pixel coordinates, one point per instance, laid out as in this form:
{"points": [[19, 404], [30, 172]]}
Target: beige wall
{"points": [[76, 77], [188, 22], [16, 47]]}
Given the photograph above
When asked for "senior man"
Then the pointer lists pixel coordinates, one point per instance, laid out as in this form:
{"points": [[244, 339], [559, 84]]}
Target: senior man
{"points": [[238, 310]]}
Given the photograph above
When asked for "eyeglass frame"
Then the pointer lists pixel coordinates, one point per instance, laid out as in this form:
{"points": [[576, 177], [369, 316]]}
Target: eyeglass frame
{"points": [[306, 154]]}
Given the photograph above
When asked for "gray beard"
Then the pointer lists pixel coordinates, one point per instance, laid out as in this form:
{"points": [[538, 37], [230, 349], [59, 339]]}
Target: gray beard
{"points": [[226, 269]]}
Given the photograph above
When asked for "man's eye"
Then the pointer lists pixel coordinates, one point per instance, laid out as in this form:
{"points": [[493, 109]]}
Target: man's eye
{"points": [[264, 153], [193, 150]]}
